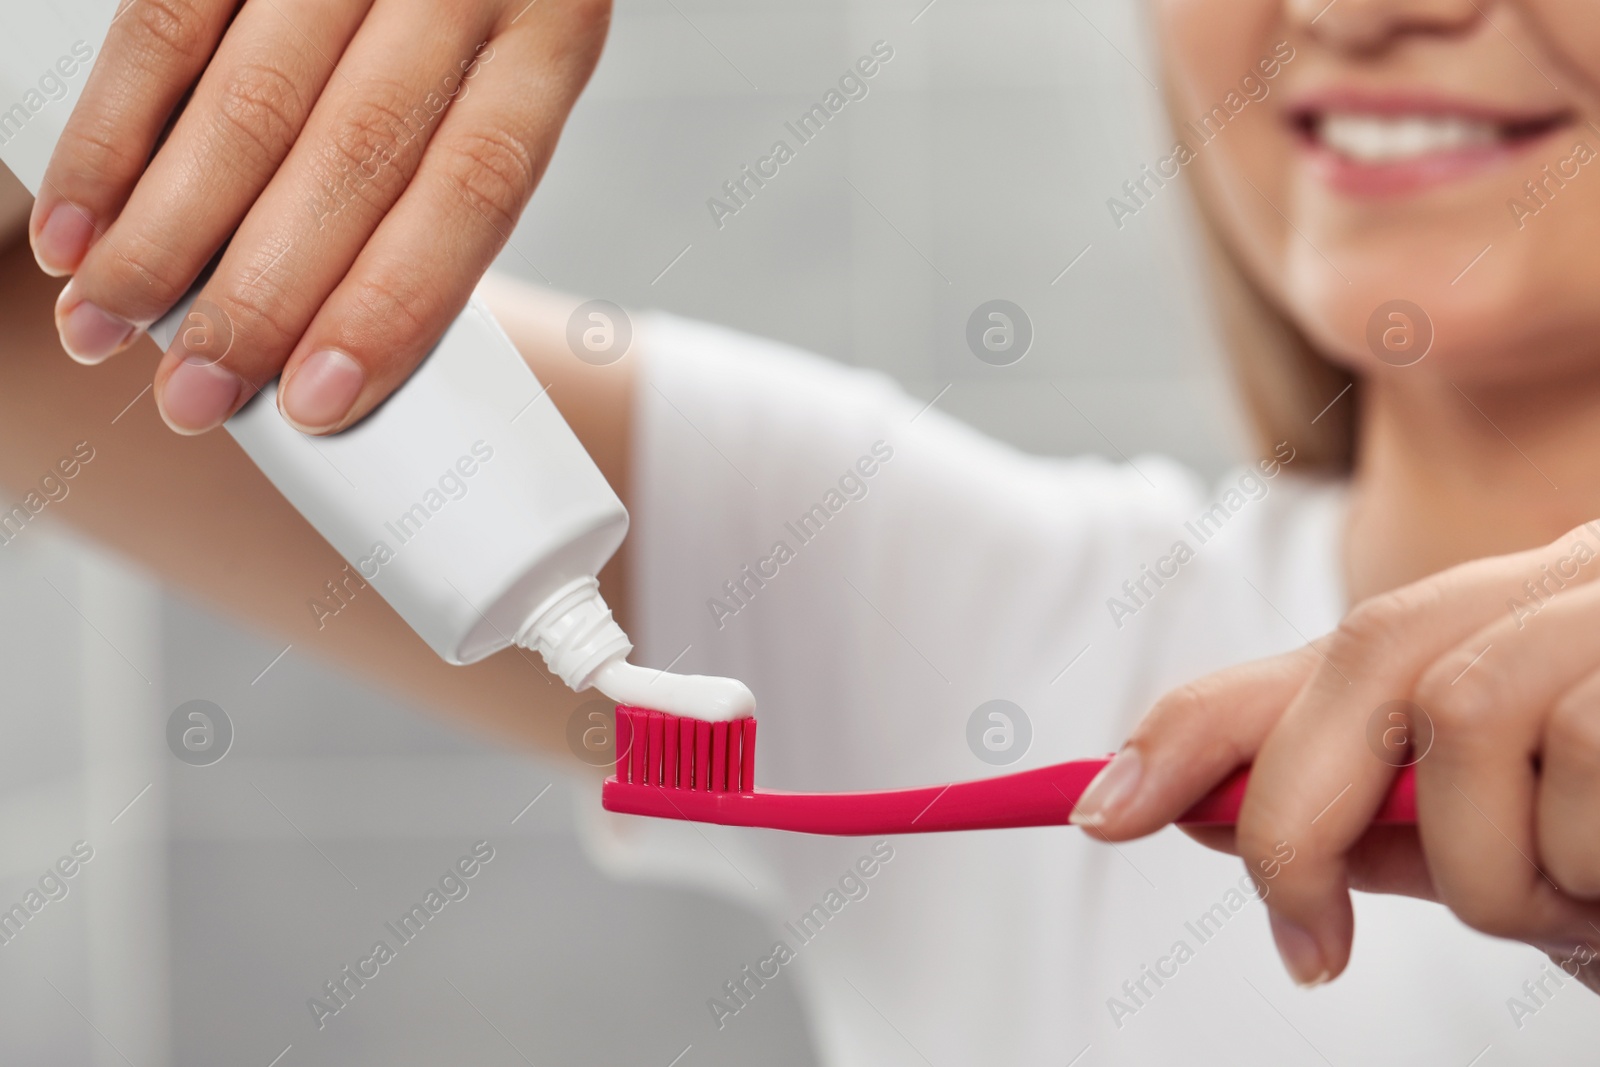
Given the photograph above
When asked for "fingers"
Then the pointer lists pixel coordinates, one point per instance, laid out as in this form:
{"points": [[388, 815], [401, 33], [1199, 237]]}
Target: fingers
{"points": [[1318, 780], [363, 199], [1190, 740], [1569, 791], [477, 175], [1389, 859], [153, 52], [1475, 795], [1479, 787], [355, 156], [234, 133], [1216, 838]]}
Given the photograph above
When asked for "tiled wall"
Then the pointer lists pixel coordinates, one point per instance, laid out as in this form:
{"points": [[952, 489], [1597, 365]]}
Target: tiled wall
{"points": [[977, 167]]}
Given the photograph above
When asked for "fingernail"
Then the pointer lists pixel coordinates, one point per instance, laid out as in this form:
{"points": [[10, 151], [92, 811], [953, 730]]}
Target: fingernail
{"points": [[318, 395], [1110, 788], [89, 333], [198, 396], [1299, 951], [63, 240]]}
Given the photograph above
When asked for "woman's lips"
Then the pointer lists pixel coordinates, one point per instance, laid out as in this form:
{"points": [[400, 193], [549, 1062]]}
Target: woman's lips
{"points": [[1365, 145]]}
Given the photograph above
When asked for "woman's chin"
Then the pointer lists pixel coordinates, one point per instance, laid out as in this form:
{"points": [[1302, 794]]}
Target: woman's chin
{"points": [[1457, 283], [1394, 321]]}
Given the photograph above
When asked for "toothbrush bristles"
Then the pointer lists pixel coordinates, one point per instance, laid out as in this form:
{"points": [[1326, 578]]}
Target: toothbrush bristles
{"points": [[674, 752]]}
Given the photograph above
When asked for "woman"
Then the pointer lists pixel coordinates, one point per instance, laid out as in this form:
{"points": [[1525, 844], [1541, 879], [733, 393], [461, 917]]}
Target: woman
{"points": [[925, 571]]}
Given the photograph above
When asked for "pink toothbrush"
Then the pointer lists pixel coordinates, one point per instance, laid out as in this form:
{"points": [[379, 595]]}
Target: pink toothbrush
{"points": [[676, 768]]}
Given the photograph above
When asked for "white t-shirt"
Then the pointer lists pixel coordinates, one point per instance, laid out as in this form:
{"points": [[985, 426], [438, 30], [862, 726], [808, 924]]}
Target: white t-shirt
{"points": [[903, 570]]}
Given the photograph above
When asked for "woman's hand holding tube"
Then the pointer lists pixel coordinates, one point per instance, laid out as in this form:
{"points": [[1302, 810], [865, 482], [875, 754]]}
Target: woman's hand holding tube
{"points": [[1487, 677], [368, 158]]}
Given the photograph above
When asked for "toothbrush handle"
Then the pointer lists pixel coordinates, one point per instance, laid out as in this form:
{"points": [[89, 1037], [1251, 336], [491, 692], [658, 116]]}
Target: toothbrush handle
{"points": [[1047, 795], [1044, 796]]}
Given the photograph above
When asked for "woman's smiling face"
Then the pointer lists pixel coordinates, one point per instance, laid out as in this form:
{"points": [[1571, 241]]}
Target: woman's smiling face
{"points": [[1445, 153]]}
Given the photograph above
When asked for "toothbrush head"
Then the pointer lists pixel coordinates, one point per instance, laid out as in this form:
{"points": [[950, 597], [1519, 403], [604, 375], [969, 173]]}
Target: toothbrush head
{"points": [[675, 752]]}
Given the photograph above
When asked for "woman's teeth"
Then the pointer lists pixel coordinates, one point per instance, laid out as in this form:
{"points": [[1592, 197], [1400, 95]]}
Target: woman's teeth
{"points": [[1396, 139]]}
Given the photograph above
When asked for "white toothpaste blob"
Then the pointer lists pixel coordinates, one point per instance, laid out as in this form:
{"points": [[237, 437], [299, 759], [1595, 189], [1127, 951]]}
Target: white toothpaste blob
{"points": [[584, 646], [696, 696]]}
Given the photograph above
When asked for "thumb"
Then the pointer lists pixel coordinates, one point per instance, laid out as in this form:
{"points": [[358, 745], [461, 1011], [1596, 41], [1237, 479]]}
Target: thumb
{"points": [[1193, 738]]}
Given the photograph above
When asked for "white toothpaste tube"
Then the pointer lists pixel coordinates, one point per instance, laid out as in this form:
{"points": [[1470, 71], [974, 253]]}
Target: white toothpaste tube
{"points": [[465, 500]]}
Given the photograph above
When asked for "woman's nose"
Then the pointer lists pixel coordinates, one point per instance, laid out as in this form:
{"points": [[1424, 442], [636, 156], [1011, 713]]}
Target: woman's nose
{"points": [[1370, 25]]}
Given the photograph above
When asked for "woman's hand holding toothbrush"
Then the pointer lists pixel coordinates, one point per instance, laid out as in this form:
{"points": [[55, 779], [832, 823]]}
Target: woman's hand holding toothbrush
{"points": [[1487, 677], [368, 159]]}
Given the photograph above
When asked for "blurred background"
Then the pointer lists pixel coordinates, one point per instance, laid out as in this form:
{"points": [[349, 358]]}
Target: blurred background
{"points": [[220, 898]]}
